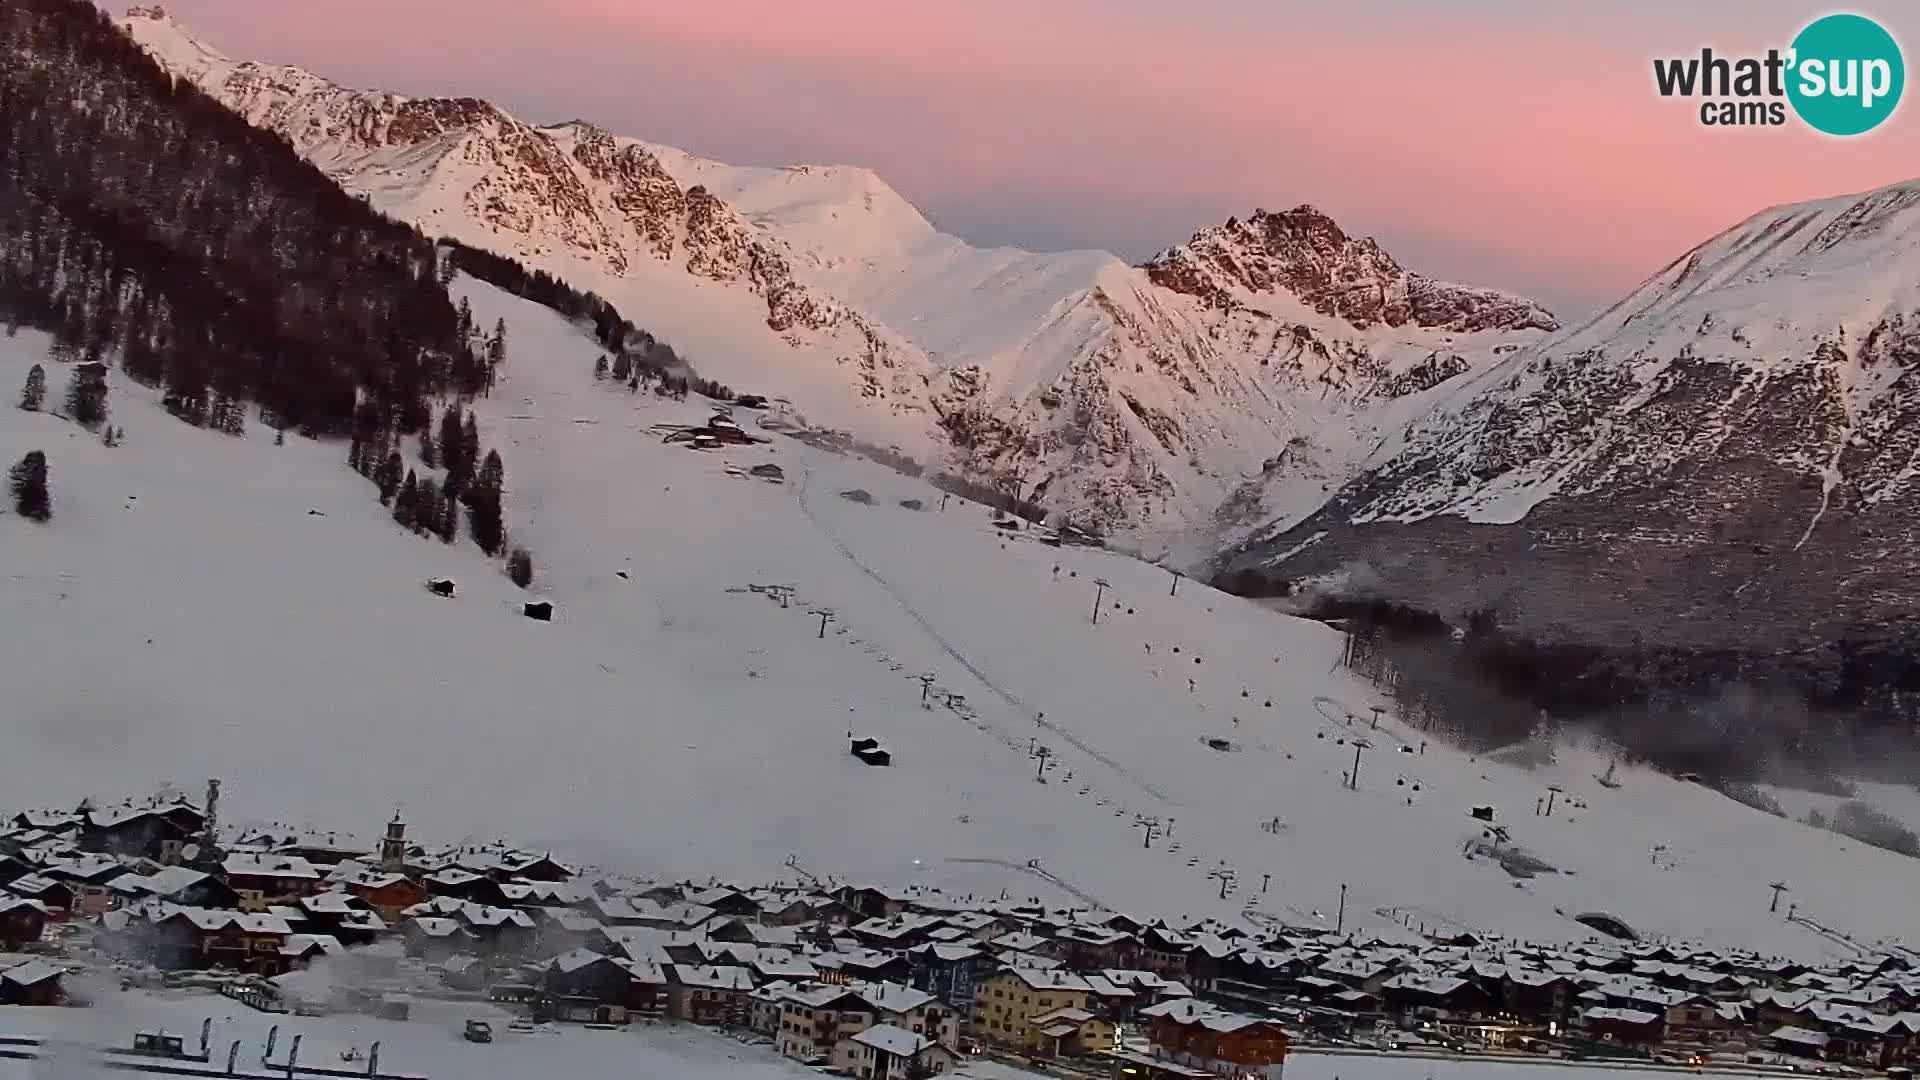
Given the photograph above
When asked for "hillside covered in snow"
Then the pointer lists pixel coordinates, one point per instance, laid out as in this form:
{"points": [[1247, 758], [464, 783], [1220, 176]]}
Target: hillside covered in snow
{"points": [[1255, 365], [202, 604]]}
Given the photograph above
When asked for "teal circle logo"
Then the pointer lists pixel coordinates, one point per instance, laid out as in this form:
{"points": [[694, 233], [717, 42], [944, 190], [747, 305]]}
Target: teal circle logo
{"points": [[1846, 75]]}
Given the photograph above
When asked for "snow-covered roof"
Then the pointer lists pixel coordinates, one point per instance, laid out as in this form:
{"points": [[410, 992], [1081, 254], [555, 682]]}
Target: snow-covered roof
{"points": [[1623, 1016], [893, 998], [213, 920], [30, 973], [1049, 979], [301, 944], [713, 978], [893, 1040], [267, 865]]}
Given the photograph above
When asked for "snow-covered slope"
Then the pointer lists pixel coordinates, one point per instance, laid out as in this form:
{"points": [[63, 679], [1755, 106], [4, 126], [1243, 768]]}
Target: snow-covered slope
{"points": [[1726, 457], [186, 613], [1135, 395]]}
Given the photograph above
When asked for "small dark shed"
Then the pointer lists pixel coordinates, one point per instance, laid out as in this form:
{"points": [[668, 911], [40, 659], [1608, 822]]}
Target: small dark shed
{"points": [[440, 587], [539, 609], [1482, 813], [870, 752]]}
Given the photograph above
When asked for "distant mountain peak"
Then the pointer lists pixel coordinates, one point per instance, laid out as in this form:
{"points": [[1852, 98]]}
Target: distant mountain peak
{"points": [[1305, 252]]}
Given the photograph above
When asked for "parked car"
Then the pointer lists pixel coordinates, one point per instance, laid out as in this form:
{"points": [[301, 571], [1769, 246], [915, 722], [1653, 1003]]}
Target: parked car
{"points": [[479, 1031]]}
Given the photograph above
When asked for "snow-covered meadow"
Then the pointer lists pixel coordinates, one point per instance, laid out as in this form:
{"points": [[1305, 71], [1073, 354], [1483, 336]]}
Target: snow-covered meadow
{"points": [[202, 605]]}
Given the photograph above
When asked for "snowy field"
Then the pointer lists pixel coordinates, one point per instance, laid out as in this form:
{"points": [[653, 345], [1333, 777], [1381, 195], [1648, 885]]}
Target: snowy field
{"points": [[209, 606]]}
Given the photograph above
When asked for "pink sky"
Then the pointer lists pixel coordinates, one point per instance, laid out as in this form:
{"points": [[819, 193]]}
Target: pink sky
{"points": [[1499, 142]]}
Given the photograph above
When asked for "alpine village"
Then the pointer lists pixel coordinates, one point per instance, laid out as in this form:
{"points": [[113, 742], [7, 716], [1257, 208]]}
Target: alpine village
{"points": [[863, 980]]}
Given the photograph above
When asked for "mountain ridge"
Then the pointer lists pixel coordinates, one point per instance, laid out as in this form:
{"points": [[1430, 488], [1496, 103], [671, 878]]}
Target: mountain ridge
{"points": [[1723, 459], [1138, 408]]}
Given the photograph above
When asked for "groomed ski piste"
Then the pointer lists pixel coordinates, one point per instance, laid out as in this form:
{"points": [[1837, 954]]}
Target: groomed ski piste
{"points": [[203, 605]]}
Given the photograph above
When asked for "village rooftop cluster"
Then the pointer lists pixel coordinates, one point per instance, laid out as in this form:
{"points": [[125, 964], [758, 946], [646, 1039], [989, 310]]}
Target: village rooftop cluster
{"points": [[866, 980]]}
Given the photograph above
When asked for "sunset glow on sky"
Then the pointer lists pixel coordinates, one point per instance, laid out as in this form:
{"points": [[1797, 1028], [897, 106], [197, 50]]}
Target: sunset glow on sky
{"points": [[1498, 142]]}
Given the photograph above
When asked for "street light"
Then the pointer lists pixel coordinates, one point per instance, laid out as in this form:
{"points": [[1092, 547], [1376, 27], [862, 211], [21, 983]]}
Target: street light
{"points": [[1100, 586], [1341, 925]]}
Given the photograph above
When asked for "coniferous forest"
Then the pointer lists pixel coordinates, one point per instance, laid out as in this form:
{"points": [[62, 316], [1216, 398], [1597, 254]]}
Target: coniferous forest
{"points": [[143, 224]]}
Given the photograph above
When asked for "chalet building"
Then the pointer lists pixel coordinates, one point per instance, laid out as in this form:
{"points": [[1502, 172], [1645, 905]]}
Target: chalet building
{"points": [[302, 950], [853, 964], [616, 988], [342, 916], [1088, 948], [158, 833], [885, 1052], [175, 885], [90, 877], [436, 938], [33, 982], [562, 930], [1009, 1004], [870, 902], [1446, 998], [390, 893], [709, 995], [949, 972], [197, 939], [725, 901], [56, 896], [13, 868], [1632, 1029], [267, 880], [1200, 1036], [22, 922], [813, 1019], [902, 930]]}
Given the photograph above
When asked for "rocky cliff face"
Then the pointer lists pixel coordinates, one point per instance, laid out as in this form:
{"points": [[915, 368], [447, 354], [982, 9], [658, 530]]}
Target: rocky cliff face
{"points": [[1305, 253], [1261, 360], [1725, 459]]}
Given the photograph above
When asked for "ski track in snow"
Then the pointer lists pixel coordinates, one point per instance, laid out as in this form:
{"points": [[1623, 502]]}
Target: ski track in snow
{"points": [[1043, 875], [1012, 701]]}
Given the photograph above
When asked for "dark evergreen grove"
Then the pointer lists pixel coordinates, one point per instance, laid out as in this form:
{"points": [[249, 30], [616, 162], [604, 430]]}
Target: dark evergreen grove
{"points": [[141, 221]]}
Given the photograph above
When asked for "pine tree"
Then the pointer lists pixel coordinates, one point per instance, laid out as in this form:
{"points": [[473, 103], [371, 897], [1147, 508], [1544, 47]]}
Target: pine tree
{"points": [[450, 444], [388, 476], [600, 366], [465, 327], [520, 567], [447, 270], [429, 451], [111, 438], [447, 519], [497, 348], [483, 502], [356, 452], [279, 436], [34, 394], [426, 507], [27, 481], [622, 366], [469, 444], [87, 397], [406, 500]]}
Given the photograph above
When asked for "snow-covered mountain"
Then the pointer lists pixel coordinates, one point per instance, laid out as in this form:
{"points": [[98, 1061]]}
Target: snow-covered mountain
{"points": [[205, 605], [1263, 358], [1726, 458]]}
